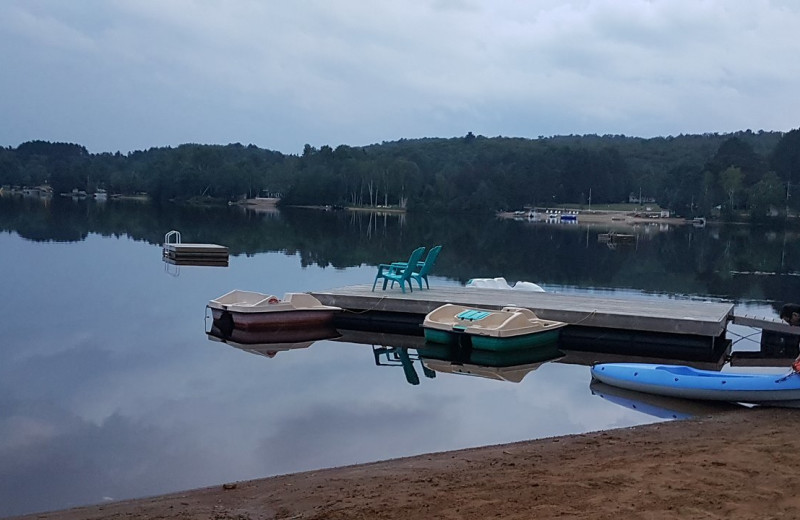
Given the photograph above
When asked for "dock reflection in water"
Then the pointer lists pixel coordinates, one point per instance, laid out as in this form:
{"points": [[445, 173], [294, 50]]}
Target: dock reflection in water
{"points": [[416, 356], [172, 266], [500, 367], [410, 351]]}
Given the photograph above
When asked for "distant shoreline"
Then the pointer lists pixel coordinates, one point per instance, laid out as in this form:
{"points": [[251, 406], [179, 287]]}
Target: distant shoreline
{"points": [[272, 203], [374, 209], [607, 217]]}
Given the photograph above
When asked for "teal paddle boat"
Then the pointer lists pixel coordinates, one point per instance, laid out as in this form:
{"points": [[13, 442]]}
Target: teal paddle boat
{"points": [[509, 328]]}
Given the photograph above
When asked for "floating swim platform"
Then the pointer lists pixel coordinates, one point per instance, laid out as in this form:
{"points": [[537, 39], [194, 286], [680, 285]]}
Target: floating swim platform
{"points": [[177, 251]]}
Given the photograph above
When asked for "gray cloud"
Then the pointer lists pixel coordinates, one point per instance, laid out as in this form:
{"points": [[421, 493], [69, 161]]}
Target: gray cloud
{"points": [[135, 74]]}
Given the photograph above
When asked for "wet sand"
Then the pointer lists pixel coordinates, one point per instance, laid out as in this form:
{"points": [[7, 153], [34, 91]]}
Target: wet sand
{"points": [[742, 464]]}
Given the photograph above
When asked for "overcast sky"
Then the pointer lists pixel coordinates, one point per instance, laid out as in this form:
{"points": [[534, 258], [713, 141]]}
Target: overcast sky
{"points": [[132, 74]]}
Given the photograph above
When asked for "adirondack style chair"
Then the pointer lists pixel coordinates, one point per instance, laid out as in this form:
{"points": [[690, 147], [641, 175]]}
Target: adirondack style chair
{"points": [[398, 273], [420, 272]]}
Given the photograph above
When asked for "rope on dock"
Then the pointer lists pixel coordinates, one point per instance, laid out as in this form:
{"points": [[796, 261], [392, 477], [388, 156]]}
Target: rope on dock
{"points": [[362, 311], [743, 337], [591, 314]]}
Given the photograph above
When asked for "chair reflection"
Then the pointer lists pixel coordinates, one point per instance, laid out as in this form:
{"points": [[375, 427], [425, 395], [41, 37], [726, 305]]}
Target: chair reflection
{"points": [[399, 356], [451, 359]]}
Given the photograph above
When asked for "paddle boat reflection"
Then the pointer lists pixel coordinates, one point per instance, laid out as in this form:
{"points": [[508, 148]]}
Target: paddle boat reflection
{"points": [[269, 343]]}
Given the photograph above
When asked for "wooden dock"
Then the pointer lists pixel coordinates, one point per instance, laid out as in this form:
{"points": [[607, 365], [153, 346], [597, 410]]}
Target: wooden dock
{"points": [[765, 324], [644, 324]]}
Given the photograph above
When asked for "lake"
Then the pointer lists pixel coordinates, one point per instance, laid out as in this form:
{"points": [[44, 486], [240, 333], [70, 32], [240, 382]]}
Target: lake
{"points": [[110, 388]]}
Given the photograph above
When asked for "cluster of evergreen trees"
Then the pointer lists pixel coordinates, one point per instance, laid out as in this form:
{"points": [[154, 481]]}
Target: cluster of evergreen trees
{"points": [[757, 173]]}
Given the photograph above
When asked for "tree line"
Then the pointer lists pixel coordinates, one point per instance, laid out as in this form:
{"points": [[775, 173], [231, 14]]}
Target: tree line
{"points": [[757, 173]]}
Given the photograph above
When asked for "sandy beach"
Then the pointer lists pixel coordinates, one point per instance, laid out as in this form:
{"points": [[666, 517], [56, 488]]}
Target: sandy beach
{"points": [[742, 464]]}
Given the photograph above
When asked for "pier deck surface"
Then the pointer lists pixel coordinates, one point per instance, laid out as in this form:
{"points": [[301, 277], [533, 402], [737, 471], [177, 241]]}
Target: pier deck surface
{"points": [[705, 318], [196, 248]]}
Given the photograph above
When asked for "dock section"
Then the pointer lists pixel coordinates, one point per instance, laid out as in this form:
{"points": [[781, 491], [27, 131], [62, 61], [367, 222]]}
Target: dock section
{"points": [[177, 252], [780, 343], [643, 326]]}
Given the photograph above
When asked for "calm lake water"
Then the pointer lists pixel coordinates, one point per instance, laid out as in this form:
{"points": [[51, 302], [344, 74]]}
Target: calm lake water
{"points": [[110, 389]]}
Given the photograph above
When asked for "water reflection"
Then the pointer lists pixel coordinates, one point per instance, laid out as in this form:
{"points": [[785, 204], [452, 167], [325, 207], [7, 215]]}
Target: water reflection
{"points": [[409, 350], [498, 367], [110, 388], [269, 350], [722, 261], [509, 366], [173, 267], [269, 343], [659, 406]]}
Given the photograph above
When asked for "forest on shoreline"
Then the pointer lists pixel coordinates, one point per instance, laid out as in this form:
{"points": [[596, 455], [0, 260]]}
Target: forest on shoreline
{"points": [[752, 173]]}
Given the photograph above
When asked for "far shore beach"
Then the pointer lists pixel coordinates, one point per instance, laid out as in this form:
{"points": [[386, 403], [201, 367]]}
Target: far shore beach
{"points": [[608, 218]]}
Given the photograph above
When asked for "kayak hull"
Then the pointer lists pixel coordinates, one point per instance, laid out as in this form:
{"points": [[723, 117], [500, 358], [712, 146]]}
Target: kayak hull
{"points": [[690, 383]]}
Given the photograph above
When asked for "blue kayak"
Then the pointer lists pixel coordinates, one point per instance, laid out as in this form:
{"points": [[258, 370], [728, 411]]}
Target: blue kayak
{"points": [[691, 383]]}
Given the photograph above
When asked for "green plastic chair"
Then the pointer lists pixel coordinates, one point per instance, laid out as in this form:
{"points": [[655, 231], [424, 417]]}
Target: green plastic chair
{"points": [[397, 272], [423, 268]]}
